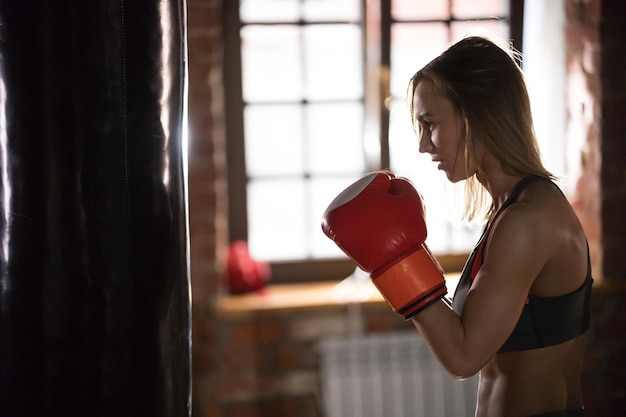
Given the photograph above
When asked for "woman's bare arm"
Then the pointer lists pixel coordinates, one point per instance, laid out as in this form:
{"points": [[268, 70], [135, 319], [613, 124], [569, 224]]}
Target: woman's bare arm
{"points": [[519, 246]]}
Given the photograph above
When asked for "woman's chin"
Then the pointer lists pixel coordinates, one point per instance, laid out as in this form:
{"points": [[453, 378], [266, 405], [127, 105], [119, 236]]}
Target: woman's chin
{"points": [[451, 177]]}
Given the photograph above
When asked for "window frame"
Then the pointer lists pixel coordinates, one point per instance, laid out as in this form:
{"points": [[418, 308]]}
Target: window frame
{"points": [[377, 38]]}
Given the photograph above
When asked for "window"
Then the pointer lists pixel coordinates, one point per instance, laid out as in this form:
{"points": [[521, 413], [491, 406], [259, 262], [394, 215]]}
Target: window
{"points": [[315, 98]]}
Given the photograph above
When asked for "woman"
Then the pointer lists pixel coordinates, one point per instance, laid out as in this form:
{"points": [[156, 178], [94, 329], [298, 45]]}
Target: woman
{"points": [[520, 314]]}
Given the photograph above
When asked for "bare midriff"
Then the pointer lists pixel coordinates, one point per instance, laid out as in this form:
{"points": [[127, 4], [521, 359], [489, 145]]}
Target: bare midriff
{"points": [[530, 382]]}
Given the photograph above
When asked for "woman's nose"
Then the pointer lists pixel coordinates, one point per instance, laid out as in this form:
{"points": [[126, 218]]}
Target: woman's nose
{"points": [[425, 144]]}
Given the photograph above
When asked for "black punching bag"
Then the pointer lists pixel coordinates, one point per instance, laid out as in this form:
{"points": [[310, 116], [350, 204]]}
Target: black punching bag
{"points": [[94, 279]]}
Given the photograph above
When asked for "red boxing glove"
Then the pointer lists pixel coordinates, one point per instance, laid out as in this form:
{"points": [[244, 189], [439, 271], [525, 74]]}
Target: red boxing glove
{"points": [[244, 273], [379, 222]]}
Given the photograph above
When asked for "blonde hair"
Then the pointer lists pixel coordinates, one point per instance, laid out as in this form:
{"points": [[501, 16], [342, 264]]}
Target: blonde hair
{"points": [[487, 88]]}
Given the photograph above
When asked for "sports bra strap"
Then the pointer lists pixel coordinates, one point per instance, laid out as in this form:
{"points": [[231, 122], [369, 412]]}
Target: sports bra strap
{"points": [[519, 187]]}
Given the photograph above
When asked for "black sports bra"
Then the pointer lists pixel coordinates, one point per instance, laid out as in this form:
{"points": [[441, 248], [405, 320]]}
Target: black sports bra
{"points": [[545, 321]]}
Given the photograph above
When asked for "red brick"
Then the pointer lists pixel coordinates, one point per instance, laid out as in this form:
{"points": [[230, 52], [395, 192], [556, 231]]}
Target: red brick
{"points": [[247, 332], [306, 406], [385, 322], [245, 410], [209, 411], [241, 387], [236, 359], [293, 356], [202, 17]]}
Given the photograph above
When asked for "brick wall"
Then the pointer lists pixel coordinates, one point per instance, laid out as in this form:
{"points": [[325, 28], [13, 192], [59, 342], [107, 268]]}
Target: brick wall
{"points": [[613, 176], [266, 364], [207, 166], [583, 112], [207, 184], [596, 31]]}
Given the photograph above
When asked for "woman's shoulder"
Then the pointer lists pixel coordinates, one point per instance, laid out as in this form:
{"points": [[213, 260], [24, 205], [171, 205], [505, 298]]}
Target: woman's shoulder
{"points": [[541, 219], [541, 203], [544, 221]]}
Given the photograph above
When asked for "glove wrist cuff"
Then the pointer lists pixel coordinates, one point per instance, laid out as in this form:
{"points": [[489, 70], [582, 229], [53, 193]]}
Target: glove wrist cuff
{"points": [[411, 284]]}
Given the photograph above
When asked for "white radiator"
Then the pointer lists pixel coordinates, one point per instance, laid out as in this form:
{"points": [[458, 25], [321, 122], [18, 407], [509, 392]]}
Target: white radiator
{"points": [[390, 375]]}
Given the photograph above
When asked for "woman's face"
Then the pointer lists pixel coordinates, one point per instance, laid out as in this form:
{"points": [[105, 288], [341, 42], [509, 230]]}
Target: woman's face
{"points": [[442, 131]]}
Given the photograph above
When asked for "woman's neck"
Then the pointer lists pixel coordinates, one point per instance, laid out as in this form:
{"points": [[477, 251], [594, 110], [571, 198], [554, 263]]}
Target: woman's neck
{"points": [[499, 185]]}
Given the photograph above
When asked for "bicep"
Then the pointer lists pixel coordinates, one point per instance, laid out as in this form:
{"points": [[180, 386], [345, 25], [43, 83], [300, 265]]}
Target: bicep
{"points": [[514, 257]]}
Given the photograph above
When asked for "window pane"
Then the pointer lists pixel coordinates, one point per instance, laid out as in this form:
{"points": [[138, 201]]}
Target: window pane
{"points": [[273, 140], [277, 229], [420, 9], [323, 191], [289, 10], [412, 47], [269, 10], [403, 142], [496, 30], [464, 9], [335, 142], [333, 62], [271, 63], [327, 10]]}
